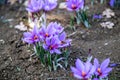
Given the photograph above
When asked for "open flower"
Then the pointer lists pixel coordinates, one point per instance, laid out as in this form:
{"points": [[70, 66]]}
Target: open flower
{"points": [[47, 31], [49, 4], [64, 42], [52, 44], [34, 5], [74, 5], [103, 69], [83, 70], [32, 37], [57, 27]]}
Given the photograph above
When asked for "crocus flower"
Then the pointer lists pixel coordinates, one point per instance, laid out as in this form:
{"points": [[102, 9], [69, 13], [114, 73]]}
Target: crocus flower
{"points": [[83, 70], [49, 5], [74, 5], [52, 44], [31, 37], [64, 42], [103, 69], [96, 16], [34, 5], [58, 27], [47, 31], [112, 2]]}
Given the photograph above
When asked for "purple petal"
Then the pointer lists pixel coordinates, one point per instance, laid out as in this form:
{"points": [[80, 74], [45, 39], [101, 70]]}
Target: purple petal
{"points": [[76, 73], [93, 69], [74, 70], [51, 51], [107, 70], [78, 76], [26, 34], [48, 42], [45, 47], [57, 51], [62, 36], [87, 66], [35, 30], [96, 62], [79, 65], [104, 75], [51, 30], [105, 64], [28, 40], [112, 2], [95, 79]]}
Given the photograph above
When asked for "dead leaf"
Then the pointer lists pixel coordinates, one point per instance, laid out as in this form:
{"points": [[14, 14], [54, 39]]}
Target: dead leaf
{"points": [[12, 1]]}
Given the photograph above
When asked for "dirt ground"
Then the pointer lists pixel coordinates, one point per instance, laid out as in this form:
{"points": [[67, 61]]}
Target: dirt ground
{"points": [[15, 60]]}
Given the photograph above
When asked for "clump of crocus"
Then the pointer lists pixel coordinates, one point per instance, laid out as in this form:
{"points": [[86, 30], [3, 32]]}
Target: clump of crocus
{"points": [[49, 42], [77, 6], [87, 71], [103, 69]]}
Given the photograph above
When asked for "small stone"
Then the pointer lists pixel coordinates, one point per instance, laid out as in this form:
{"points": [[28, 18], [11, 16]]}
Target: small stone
{"points": [[62, 5], [106, 44]]}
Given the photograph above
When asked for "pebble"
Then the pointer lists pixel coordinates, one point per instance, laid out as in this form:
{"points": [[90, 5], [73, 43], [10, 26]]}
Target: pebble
{"points": [[62, 5], [2, 41], [106, 44]]}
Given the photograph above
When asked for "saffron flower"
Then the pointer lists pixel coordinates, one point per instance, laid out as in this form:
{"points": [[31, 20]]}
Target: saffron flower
{"points": [[74, 5], [103, 69], [59, 29], [112, 2], [49, 5], [47, 31], [64, 42], [32, 37], [96, 16], [52, 45], [34, 6], [83, 70]]}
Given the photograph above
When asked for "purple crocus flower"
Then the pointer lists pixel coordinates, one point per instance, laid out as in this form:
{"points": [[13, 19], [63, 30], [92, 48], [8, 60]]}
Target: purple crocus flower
{"points": [[58, 27], [74, 5], [34, 5], [103, 69], [47, 31], [83, 70], [49, 5], [52, 44], [112, 2], [32, 37], [64, 42], [97, 16]]}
